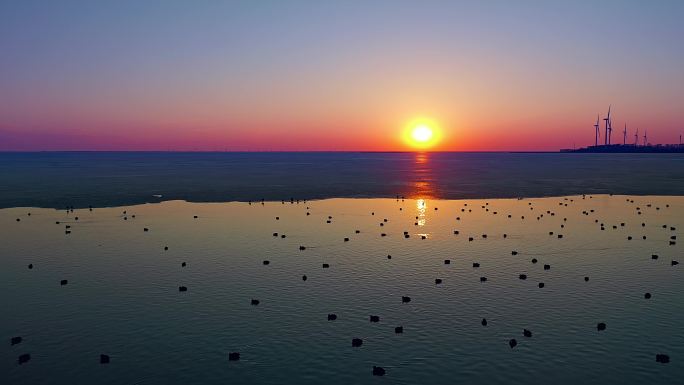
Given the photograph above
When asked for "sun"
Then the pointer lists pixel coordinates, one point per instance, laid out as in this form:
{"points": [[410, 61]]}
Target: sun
{"points": [[421, 134]]}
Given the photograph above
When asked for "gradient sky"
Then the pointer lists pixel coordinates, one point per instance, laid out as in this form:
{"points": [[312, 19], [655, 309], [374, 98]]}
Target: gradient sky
{"points": [[344, 75]]}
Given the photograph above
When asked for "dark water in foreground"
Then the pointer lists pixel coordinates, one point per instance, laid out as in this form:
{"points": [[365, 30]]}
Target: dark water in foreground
{"points": [[122, 296], [110, 179]]}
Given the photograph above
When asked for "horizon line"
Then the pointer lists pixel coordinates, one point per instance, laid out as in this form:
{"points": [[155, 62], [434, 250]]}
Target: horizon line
{"points": [[283, 151]]}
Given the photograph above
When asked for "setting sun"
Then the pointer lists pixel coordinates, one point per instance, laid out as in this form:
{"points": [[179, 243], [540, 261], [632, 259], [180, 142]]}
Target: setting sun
{"points": [[421, 134]]}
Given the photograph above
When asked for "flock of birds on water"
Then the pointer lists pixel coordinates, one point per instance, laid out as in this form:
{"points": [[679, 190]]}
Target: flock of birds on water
{"points": [[358, 342]]}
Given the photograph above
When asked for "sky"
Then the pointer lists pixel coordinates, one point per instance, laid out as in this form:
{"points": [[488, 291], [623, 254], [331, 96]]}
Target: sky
{"points": [[336, 75]]}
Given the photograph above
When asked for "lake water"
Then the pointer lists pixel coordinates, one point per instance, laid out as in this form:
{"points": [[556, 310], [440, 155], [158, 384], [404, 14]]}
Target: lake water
{"points": [[58, 180], [122, 296]]}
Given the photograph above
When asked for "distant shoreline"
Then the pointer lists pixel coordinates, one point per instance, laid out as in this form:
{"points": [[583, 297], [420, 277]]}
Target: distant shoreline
{"points": [[349, 198], [628, 149]]}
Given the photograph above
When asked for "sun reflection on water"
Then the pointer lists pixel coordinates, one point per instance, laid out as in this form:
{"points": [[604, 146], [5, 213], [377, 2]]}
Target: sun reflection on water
{"points": [[423, 188], [421, 206], [423, 182]]}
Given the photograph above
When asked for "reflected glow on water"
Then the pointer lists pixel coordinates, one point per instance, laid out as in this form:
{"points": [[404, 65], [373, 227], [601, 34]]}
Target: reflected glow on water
{"points": [[421, 206], [423, 188], [423, 177]]}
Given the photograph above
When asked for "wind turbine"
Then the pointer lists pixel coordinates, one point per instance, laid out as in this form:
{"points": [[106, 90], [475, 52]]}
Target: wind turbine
{"points": [[610, 131], [624, 135], [607, 120], [636, 137], [598, 132], [645, 137]]}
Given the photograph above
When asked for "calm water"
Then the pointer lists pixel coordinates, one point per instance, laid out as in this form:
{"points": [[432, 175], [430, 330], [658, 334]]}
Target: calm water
{"points": [[58, 180], [122, 297]]}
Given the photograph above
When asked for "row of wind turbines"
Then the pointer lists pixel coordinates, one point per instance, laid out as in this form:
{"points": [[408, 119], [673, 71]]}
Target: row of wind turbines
{"points": [[609, 131]]}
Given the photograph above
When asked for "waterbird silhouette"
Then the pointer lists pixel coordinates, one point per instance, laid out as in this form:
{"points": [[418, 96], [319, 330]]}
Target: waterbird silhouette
{"points": [[378, 371], [662, 358]]}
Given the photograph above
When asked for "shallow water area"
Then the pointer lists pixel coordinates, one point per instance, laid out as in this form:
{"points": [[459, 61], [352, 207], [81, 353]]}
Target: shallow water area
{"points": [[122, 297]]}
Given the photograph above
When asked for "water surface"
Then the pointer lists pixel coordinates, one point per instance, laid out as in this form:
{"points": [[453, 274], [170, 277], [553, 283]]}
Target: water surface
{"points": [[122, 297], [81, 179]]}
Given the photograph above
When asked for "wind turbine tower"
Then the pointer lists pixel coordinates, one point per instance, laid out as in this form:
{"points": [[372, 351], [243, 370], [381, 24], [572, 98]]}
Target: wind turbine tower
{"points": [[610, 131], [607, 120], [624, 135], [636, 137], [645, 136], [598, 132]]}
